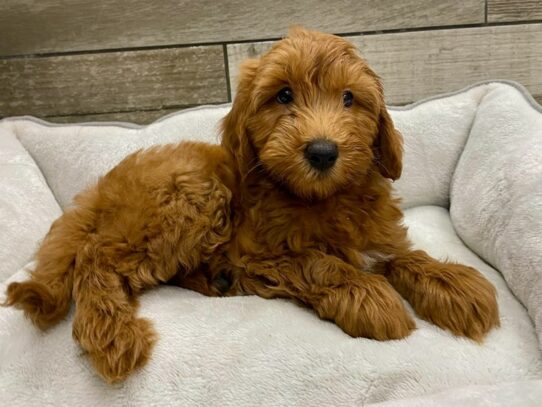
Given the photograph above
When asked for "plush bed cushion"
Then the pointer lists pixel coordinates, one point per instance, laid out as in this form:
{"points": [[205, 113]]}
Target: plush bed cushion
{"points": [[27, 205], [238, 350], [496, 192]]}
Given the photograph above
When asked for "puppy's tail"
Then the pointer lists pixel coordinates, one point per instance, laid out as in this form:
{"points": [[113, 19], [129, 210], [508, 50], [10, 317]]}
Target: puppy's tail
{"points": [[46, 297]]}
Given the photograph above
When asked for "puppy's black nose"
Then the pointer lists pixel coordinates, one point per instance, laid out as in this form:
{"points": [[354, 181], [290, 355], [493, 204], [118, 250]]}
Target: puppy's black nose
{"points": [[321, 154]]}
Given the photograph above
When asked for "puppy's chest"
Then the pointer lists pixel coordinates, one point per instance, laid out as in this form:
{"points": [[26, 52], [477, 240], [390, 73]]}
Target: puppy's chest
{"points": [[278, 226]]}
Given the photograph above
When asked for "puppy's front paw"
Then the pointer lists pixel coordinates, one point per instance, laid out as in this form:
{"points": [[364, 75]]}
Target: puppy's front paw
{"points": [[368, 308], [457, 298]]}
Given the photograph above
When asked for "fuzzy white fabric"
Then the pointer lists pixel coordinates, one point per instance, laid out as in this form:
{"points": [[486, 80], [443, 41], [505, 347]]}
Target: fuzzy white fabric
{"points": [[515, 394], [27, 206], [496, 203], [246, 351]]}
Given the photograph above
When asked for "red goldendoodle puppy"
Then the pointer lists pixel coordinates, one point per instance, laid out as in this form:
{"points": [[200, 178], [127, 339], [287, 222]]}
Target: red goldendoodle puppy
{"points": [[295, 203]]}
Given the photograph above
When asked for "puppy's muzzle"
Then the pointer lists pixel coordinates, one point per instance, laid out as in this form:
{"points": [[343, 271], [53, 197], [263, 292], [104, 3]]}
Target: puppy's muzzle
{"points": [[321, 154]]}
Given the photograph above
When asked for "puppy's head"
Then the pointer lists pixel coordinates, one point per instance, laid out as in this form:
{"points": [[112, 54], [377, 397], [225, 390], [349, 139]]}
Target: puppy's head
{"points": [[311, 113]]}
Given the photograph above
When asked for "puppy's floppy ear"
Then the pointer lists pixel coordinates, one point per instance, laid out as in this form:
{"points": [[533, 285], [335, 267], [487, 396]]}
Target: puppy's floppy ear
{"points": [[234, 126], [388, 147]]}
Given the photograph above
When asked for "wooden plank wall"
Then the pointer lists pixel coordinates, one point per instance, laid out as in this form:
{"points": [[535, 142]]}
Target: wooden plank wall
{"points": [[137, 60]]}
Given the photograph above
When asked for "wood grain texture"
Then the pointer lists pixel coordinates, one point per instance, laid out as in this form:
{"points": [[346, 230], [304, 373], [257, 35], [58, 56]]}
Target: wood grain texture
{"points": [[137, 116], [43, 26], [112, 81], [414, 65], [513, 10]]}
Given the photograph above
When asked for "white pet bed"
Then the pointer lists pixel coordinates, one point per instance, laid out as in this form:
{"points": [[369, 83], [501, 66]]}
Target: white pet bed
{"points": [[472, 192]]}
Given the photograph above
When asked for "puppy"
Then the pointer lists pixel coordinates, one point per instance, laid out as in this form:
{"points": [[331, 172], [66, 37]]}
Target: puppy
{"points": [[296, 202]]}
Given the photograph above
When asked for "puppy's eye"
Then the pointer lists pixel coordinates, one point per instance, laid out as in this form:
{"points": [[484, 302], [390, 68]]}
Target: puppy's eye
{"points": [[348, 98], [285, 96]]}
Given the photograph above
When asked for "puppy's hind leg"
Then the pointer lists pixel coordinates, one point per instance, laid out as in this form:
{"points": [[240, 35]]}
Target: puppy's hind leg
{"points": [[125, 258], [105, 323]]}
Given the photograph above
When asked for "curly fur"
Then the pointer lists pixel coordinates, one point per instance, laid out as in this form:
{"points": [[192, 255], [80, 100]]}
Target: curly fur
{"points": [[251, 216]]}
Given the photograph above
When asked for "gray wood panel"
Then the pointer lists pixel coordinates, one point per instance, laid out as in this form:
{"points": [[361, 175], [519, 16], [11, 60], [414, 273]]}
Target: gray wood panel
{"points": [[513, 10], [415, 65], [42, 26], [136, 116], [112, 81]]}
